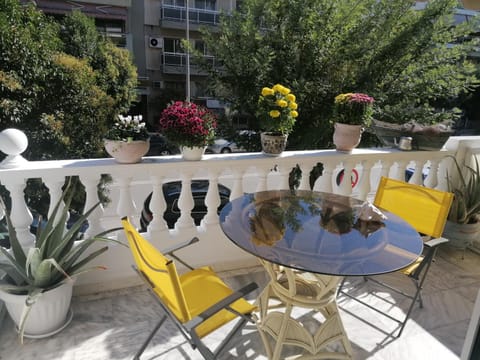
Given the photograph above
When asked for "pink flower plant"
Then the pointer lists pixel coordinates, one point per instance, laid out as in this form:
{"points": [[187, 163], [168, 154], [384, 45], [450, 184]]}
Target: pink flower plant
{"points": [[188, 124], [353, 109]]}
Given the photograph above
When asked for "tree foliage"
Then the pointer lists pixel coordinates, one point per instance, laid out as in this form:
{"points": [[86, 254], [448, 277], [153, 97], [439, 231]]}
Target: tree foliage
{"points": [[321, 48], [62, 83]]}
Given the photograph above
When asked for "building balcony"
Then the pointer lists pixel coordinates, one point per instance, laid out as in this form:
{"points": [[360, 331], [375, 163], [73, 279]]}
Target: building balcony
{"points": [[175, 63], [175, 17], [113, 312]]}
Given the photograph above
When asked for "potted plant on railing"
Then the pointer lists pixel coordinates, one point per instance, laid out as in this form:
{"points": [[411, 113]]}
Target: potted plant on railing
{"points": [[38, 281], [128, 140], [463, 223], [352, 113], [191, 126], [277, 112]]}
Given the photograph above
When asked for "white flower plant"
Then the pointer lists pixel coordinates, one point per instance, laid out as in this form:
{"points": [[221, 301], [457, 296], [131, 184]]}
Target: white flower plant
{"points": [[128, 128]]}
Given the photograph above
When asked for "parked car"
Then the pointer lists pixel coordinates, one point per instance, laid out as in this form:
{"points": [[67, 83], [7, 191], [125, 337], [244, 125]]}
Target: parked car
{"points": [[171, 191], [159, 145], [72, 219], [223, 146]]}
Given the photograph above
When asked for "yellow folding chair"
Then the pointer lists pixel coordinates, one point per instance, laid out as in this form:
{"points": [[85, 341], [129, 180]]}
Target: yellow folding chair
{"points": [[426, 210], [198, 302]]}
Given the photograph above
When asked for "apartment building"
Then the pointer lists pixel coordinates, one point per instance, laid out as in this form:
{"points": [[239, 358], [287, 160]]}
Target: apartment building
{"points": [[158, 27]]}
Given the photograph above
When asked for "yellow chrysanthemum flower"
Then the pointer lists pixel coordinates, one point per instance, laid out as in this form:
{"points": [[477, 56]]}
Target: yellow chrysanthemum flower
{"points": [[293, 113], [285, 91], [277, 88], [282, 103], [343, 98], [274, 113], [267, 91], [291, 97], [293, 106]]}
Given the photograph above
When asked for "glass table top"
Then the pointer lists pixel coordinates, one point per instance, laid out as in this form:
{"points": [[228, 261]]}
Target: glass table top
{"points": [[319, 232]]}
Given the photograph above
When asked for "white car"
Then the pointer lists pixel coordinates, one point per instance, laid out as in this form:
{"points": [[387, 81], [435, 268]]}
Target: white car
{"points": [[223, 146]]}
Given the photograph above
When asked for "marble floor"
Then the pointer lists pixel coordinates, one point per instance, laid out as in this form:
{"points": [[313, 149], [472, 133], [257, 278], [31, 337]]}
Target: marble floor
{"points": [[112, 325]]}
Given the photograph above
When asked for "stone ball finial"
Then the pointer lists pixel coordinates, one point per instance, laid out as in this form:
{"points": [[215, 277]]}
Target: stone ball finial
{"points": [[13, 142]]}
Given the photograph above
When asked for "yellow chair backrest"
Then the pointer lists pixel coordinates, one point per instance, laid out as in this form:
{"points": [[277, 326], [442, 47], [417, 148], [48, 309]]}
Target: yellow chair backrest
{"points": [[424, 208], [160, 272]]}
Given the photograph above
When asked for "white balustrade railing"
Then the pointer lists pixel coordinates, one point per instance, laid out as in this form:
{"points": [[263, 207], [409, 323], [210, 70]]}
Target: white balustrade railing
{"points": [[248, 172]]}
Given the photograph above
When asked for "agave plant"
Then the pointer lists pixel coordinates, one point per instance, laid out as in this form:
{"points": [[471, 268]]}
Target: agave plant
{"points": [[465, 207], [54, 259]]}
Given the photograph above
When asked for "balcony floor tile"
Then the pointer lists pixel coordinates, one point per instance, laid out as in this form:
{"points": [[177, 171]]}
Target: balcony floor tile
{"points": [[112, 325]]}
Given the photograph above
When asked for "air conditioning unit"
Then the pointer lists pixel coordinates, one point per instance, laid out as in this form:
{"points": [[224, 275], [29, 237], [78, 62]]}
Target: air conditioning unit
{"points": [[155, 42]]}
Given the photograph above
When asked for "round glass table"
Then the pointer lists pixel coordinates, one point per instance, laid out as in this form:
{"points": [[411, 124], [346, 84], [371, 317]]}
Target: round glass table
{"points": [[317, 238], [319, 232]]}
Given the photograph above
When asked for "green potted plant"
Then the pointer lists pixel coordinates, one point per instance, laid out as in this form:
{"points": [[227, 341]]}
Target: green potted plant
{"points": [[128, 140], [189, 125], [37, 283], [277, 112], [352, 112], [463, 224]]}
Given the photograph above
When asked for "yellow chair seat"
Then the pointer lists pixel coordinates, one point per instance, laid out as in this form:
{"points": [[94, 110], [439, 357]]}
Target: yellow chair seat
{"points": [[412, 267], [205, 281]]}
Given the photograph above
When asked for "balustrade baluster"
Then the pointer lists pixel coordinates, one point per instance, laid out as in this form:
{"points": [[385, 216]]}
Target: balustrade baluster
{"points": [[158, 205], [284, 177], [185, 203], [432, 178], [345, 187], [262, 178], [212, 200], [54, 185], [444, 168], [385, 167], [19, 213], [94, 220], [237, 189], [126, 205], [417, 177], [305, 178], [399, 174], [324, 182], [363, 185]]}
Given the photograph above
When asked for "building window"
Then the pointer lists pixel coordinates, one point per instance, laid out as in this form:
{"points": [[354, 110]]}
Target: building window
{"points": [[173, 45], [175, 86], [205, 4], [201, 47], [174, 2]]}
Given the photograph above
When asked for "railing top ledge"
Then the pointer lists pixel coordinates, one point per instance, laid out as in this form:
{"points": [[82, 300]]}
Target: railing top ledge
{"points": [[288, 157]]}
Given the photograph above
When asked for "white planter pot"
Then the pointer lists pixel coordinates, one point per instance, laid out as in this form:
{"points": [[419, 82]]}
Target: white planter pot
{"points": [[461, 236], [49, 315], [127, 152], [192, 153], [346, 137]]}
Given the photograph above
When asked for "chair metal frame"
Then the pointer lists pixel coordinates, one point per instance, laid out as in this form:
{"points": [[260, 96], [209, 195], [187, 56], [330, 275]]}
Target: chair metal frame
{"points": [[189, 328], [417, 272]]}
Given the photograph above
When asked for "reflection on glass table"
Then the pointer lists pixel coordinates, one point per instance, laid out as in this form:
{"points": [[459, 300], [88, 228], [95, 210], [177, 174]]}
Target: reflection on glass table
{"points": [[319, 232]]}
